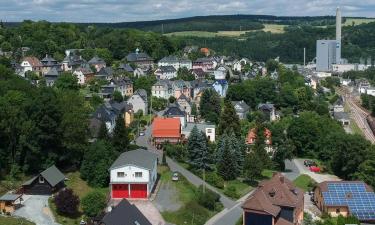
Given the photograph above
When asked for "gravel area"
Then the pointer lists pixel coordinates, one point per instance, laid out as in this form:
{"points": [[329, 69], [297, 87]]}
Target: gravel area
{"points": [[167, 197]]}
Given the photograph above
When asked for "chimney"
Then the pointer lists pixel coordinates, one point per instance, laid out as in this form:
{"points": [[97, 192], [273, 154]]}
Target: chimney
{"points": [[281, 179]]}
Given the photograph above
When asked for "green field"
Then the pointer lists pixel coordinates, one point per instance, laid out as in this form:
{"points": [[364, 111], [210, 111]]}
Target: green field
{"points": [[357, 21], [14, 221], [273, 28]]}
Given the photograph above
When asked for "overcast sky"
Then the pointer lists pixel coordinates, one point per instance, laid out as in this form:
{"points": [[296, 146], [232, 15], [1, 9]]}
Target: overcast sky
{"points": [[138, 10]]}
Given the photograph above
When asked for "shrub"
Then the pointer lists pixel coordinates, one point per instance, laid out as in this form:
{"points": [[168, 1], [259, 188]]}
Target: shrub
{"points": [[207, 199], [215, 180], [231, 191], [93, 203], [66, 202]]}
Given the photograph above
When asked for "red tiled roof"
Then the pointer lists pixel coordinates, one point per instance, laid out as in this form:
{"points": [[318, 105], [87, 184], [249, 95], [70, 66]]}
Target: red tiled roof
{"points": [[34, 62], [166, 127], [251, 136]]}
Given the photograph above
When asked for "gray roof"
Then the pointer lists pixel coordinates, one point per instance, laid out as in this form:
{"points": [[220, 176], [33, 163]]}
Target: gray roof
{"points": [[52, 72], [167, 69], [243, 107], [135, 57], [96, 60], [126, 67], [10, 197], [125, 214], [169, 59], [266, 106], [174, 110], [201, 127], [141, 158], [142, 93], [341, 116], [52, 175]]}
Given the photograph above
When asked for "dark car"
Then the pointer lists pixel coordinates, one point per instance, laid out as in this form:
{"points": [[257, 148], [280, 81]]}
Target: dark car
{"points": [[309, 163]]}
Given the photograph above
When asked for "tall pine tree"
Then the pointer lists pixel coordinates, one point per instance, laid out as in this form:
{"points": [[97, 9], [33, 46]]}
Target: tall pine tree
{"points": [[229, 120], [120, 138], [198, 150], [227, 165]]}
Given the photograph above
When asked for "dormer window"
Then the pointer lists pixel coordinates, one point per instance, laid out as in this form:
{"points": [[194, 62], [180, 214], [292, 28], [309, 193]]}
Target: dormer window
{"points": [[41, 180], [272, 193]]}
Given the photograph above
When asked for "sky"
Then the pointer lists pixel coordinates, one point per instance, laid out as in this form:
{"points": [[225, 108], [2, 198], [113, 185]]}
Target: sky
{"points": [[141, 10]]}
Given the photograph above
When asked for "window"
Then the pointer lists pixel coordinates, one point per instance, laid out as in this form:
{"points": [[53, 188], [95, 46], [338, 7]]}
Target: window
{"points": [[337, 210], [120, 174], [41, 179], [138, 174], [209, 131]]}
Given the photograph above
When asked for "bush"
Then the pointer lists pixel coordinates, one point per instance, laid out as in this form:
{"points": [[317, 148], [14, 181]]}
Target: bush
{"points": [[66, 202], [208, 199], [231, 191], [215, 180], [93, 203], [177, 152]]}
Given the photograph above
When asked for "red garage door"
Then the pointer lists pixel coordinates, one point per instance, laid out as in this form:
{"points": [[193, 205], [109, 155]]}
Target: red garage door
{"points": [[138, 191], [120, 190]]}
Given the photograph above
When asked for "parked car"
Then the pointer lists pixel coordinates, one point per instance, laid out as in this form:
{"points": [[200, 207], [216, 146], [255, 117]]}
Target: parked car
{"points": [[314, 169], [309, 163], [175, 176], [141, 133]]}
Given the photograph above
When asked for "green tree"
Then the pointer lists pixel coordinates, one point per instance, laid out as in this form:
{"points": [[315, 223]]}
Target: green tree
{"points": [[210, 108], [120, 138], [117, 96], [103, 132], [184, 74], [67, 81], [271, 65], [229, 120], [93, 203], [6, 46], [96, 161], [198, 150], [227, 164]]}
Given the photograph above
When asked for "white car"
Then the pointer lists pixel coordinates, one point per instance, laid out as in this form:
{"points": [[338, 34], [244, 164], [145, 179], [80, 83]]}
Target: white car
{"points": [[175, 176], [141, 133]]}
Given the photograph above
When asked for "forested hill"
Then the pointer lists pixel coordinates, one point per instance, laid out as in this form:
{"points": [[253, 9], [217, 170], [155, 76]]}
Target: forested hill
{"points": [[214, 23]]}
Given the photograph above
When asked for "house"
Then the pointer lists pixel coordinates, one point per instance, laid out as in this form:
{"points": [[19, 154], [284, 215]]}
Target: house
{"points": [[97, 62], [268, 111], [203, 63], [274, 202], [138, 72], [346, 198], [139, 101], [133, 174], [166, 130], [123, 85], [105, 73], [51, 76], [84, 74], [198, 86], [237, 66], [242, 109], [220, 73], [175, 111], [338, 106], [125, 68], [31, 64], [267, 134], [10, 202], [198, 73], [186, 106], [122, 110], [162, 89], [342, 117], [205, 51], [166, 72], [221, 87], [124, 213], [72, 62], [48, 62], [176, 62], [180, 87], [141, 59], [45, 183], [208, 129]]}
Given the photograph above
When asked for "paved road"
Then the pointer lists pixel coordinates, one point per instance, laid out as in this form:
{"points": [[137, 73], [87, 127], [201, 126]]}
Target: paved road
{"points": [[36, 210]]}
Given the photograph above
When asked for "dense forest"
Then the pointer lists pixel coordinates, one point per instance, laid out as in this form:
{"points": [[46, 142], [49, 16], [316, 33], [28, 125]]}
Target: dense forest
{"points": [[358, 42]]}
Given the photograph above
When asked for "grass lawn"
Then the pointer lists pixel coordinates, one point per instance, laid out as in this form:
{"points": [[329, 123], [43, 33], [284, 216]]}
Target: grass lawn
{"points": [[190, 212], [80, 188], [304, 182], [274, 28], [14, 221], [357, 21]]}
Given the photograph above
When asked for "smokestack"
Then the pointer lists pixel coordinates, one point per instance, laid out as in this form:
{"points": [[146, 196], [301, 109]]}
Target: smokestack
{"points": [[338, 35]]}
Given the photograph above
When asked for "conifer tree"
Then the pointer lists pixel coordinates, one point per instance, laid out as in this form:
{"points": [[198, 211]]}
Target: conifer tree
{"points": [[227, 165], [103, 132], [198, 150], [120, 138], [229, 120]]}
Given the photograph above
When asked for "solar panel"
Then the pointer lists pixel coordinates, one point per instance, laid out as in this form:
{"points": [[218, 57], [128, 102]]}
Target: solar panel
{"points": [[354, 195]]}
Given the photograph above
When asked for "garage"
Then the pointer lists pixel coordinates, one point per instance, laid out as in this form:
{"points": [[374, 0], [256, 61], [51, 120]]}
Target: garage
{"points": [[120, 190], [138, 191]]}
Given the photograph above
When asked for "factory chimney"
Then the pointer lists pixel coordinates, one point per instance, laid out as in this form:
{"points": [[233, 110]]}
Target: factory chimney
{"points": [[338, 35]]}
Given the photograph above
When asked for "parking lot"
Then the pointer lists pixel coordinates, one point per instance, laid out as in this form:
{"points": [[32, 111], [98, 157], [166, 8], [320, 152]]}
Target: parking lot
{"points": [[35, 208]]}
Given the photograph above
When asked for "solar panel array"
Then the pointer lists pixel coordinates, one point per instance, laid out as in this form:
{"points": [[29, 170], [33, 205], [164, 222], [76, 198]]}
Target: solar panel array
{"points": [[354, 195]]}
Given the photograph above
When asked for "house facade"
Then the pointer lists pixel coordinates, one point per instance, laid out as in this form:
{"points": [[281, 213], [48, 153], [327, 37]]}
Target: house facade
{"points": [[48, 62], [166, 130], [97, 62], [181, 87], [139, 101], [31, 64], [221, 87], [203, 63], [162, 89], [141, 59], [176, 62], [84, 74], [133, 175], [45, 183], [166, 72], [275, 202], [242, 109]]}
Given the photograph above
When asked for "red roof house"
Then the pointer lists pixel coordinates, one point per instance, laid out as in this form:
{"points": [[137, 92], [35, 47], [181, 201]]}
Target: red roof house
{"points": [[166, 130], [252, 135]]}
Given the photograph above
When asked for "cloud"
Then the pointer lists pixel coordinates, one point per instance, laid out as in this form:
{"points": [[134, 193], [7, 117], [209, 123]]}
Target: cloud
{"points": [[139, 10]]}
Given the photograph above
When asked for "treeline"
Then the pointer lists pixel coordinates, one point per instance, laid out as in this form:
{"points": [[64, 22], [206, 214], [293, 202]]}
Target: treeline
{"points": [[357, 43], [54, 38]]}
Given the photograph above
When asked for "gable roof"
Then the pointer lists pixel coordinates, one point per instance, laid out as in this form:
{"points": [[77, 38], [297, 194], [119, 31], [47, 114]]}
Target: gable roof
{"points": [[135, 57], [266, 106], [167, 69], [142, 93], [125, 213], [243, 107], [140, 157], [166, 127], [96, 60], [174, 110], [52, 175], [126, 67], [52, 72], [34, 61], [48, 61], [105, 71]]}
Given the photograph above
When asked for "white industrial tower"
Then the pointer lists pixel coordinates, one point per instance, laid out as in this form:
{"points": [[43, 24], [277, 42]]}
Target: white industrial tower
{"points": [[338, 35]]}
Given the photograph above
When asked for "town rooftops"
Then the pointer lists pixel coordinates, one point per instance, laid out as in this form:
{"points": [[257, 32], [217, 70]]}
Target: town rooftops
{"points": [[169, 59], [96, 60], [142, 93], [273, 194], [105, 71], [34, 61], [136, 57], [125, 214], [174, 110], [166, 127], [140, 157], [52, 72], [341, 115], [85, 69], [240, 106], [266, 106], [52, 175], [48, 61], [126, 67], [167, 69]]}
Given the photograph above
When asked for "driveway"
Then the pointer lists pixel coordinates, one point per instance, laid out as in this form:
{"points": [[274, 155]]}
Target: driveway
{"points": [[167, 198], [35, 208], [149, 211]]}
